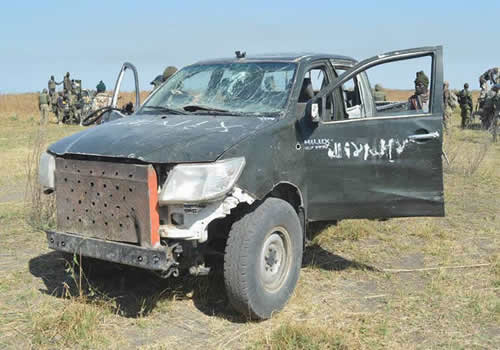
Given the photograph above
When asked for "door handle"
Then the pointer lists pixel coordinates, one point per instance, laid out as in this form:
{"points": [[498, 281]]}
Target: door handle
{"points": [[424, 137]]}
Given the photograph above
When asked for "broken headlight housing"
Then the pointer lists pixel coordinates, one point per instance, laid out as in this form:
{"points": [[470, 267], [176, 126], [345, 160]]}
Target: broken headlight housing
{"points": [[188, 183], [46, 170]]}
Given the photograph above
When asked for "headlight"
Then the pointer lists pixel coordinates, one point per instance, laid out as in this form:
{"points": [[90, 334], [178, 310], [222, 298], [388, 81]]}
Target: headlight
{"points": [[46, 170], [201, 182]]}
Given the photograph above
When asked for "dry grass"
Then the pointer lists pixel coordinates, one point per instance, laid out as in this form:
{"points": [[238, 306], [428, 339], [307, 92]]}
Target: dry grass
{"points": [[40, 208], [344, 300]]}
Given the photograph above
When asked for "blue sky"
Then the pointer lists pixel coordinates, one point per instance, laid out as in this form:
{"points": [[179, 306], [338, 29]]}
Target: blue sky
{"points": [[91, 39]]}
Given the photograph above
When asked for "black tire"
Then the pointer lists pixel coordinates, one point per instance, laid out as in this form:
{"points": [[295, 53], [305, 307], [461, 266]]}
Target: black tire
{"points": [[263, 258]]}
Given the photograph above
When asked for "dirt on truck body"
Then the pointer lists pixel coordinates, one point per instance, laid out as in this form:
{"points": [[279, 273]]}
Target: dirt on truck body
{"points": [[229, 161]]}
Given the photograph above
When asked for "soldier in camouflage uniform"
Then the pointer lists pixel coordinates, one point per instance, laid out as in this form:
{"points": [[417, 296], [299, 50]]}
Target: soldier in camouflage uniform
{"points": [[74, 111], [101, 100], [62, 108], [496, 114], [67, 83], [419, 101], [379, 94], [447, 105], [465, 101], [43, 106], [52, 92]]}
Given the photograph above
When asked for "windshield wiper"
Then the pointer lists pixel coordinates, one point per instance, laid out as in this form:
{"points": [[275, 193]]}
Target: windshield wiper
{"points": [[165, 109], [208, 110]]}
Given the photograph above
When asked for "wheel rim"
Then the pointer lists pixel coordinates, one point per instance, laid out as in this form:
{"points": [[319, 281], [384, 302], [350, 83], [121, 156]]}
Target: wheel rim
{"points": [[275, 259]]}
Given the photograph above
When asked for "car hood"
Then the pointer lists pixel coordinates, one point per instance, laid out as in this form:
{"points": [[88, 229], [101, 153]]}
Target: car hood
{"points": [[162, 138]]}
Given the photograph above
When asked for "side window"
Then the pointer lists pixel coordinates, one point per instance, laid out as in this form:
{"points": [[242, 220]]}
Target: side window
{"points": [[314, 80], [318, 78], [351, 95], [402, 87], [397, 88]]}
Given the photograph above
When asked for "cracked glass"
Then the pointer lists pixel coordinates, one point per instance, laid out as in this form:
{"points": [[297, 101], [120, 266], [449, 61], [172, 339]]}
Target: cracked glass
{"points": [[231, 88]]}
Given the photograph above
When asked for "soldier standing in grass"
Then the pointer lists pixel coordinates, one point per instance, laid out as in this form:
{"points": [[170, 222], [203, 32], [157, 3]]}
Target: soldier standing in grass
{"points": [[447, 105], [52, 92], [61, 104], [67, 83], [419, 101], [43, 106], [465, 101]]}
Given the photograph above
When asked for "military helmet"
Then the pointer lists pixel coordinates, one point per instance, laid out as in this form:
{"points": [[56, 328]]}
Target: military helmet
{"points": [[44, 90], [168, 72], [67, 74], [52, 77], [378, 87], [466, 86], [422, 78]]}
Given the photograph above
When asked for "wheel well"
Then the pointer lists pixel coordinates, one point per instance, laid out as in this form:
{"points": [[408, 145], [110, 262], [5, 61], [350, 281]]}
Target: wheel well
{"points": [[289, 193]]}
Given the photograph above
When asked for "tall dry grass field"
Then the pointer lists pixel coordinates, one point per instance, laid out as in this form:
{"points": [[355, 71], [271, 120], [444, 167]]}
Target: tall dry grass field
{"points": [[407, 283]]}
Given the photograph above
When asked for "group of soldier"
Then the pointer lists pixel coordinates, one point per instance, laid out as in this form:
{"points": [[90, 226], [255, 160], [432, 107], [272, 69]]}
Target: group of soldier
{"points": [[71, 104], [487, 107]]}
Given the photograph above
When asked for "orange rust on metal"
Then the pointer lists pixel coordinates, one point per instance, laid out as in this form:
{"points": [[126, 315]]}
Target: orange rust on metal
{"points": [[153, 207]]}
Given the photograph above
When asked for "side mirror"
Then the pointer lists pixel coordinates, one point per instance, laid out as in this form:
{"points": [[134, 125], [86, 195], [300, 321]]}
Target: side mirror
{"points": [[313, 110]]}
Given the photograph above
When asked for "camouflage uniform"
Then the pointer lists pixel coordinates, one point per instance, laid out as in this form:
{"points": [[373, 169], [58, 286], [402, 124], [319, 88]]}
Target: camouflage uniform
{"points": [[67, 83], [447, 105], [379, 94], [101, 100], [496, 114], [52, 93], [419, 101], [43, 105], [74, 116], [465, 101], [63, 109]]}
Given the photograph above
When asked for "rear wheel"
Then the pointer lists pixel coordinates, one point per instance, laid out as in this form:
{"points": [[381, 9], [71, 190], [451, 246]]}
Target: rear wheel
{"points": [[263, 258]]}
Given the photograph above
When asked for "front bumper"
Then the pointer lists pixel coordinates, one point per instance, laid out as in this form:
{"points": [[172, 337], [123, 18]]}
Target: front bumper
{"points": [[122, 253]]}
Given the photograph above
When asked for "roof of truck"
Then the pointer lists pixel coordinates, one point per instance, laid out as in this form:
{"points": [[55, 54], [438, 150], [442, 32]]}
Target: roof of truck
{"points": [[280, 57]]}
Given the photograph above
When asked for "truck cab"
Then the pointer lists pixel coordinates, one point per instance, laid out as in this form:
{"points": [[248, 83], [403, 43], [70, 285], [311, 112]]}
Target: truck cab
{"points": [[229, 161]]}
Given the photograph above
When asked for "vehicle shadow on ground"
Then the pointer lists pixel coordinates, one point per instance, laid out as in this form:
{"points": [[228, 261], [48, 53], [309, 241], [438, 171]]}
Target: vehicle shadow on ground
{"points": [[133, 292], [136, 293], [316, 256]]}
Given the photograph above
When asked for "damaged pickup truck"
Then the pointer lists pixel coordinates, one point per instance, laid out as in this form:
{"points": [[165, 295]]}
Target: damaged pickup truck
{"points": [[231, 159]]}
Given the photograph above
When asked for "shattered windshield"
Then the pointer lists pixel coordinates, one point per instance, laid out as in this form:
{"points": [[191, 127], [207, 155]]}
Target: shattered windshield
{"points": [[238, 88]]}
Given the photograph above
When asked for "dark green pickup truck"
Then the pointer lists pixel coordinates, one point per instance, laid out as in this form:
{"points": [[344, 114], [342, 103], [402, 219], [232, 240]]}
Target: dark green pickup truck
{"points": [[229, 160]]}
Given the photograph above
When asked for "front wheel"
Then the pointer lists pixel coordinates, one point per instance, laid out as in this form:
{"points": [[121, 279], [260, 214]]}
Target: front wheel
{"points": [[263, 259]]}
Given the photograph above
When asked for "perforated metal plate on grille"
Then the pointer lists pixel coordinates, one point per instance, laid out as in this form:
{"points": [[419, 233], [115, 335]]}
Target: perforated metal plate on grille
{"points": [[103, 200]]}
